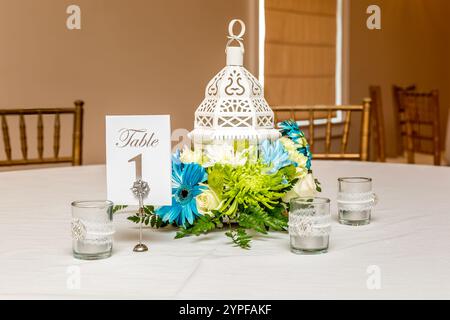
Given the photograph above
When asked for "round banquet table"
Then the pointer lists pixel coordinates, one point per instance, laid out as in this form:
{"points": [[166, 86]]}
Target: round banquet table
{"points": [[407, 244]]}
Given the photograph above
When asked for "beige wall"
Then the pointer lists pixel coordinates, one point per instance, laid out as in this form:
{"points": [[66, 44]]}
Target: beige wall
{"points": [[411, 47], [130, 57], [155, 56]]}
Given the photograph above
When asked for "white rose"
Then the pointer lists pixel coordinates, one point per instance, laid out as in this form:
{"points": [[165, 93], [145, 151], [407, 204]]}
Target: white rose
{"points": [[207, 201], [305, 187], [224, 154], [189, 156]]}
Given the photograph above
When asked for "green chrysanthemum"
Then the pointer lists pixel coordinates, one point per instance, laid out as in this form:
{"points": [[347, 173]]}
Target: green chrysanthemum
{"points": [[250, 186]]}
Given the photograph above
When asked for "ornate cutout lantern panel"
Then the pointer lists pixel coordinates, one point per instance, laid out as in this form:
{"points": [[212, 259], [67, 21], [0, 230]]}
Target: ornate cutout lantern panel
{"points": [[234, 107]]}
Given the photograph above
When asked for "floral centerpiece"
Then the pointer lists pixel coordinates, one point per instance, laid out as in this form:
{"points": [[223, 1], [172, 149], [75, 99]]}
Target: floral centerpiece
{"points": [[227, 190], [241, 172]]}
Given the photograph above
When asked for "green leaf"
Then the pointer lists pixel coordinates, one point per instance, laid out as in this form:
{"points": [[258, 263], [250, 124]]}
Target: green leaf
{"points": [[260, 220], [149, 218], [149, 209], [290, 172], [160, 223], [253, 218], [202, 225], [181, 234], [240, 238], [118, 208], [216, 178], [153, 221], [290, 185], [318, 185], [134, 219]]}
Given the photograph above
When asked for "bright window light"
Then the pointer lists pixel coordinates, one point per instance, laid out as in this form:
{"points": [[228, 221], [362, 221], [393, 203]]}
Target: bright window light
{"points": [[339, 41], [339, 50], [262, 39]]}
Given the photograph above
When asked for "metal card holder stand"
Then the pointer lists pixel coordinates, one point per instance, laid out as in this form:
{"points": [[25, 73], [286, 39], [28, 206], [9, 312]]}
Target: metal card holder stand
{"points": [[140, 190]]}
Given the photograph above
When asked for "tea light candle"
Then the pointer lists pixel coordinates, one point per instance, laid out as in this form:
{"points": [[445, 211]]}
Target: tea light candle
{"points": [[309, 225], [92, 229], [354, 217], [310, 243], [355, 200]]}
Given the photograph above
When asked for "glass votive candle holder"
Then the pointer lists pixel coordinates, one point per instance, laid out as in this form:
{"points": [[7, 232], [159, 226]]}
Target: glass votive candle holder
{"points": [[309, 225], [356, 200], [92, 229]]}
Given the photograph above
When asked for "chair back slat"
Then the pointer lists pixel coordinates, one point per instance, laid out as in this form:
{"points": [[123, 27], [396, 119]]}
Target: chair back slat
{"points": [[421, 111], [311, 129], [365, 127], [292, 114], [56, 135], [40, 136], [329, 112], [378, 123], [328, 132], [23, 136], [77, 132], [77, 137], [436, 127], [399, 113], [348, 115], [6, 141]]}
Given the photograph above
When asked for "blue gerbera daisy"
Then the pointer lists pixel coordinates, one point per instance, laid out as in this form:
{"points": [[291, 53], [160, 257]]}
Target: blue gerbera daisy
{"points": [[185, 187]]}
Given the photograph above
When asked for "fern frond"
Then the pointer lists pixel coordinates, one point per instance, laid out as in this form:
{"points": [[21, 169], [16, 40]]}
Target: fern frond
{"points": [[202, 225], [253, 218], [149, 218], [118, 208], [240, 238], [259, 220]]}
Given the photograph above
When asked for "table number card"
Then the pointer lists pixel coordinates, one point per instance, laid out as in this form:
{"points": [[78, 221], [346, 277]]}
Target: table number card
{"points": [[138, 147]]}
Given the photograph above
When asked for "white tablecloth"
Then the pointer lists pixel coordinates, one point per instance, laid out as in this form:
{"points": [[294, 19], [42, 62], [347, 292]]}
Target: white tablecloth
{"points": [[409, 241]]}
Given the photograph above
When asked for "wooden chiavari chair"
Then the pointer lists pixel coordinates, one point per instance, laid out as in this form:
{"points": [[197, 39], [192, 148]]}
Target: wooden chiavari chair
{"points": [[399, 113], [327, 113], [422, 124], [378, 122], [75, 159]]}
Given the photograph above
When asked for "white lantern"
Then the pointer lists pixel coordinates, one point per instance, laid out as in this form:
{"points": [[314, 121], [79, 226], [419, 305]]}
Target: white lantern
{"points": [[234, 111]]}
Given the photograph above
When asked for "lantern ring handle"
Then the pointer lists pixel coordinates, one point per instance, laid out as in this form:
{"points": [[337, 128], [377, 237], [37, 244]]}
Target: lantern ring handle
{"points": [[231, 26], [233, 37]]}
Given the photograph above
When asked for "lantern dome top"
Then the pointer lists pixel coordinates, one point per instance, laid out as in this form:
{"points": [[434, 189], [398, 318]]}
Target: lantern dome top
{"points": [[234, 106]]}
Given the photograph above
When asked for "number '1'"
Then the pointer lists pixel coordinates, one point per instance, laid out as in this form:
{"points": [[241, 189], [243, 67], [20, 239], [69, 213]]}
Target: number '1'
{"points": [[138, 165]]}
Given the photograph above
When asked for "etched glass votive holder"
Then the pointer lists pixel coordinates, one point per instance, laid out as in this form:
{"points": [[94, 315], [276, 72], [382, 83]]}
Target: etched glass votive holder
{"points": [[309, 225], [356, 200], [92, 229]]}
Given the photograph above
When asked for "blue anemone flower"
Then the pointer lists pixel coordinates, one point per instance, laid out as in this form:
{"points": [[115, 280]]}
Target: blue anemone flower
{"points": [[290, 128], [185, 187], [275, 155]]}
